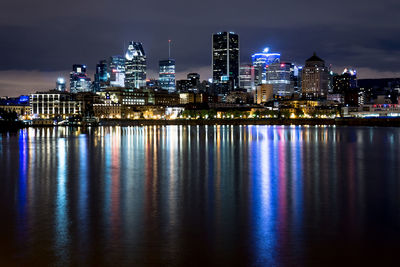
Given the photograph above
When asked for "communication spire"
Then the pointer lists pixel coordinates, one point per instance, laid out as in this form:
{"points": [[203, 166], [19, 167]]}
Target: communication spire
{"points": [[169, 49]]}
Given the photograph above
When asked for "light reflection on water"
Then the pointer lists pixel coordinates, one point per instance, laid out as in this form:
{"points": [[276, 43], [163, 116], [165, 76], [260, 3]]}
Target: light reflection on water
{"points": [[228, 195]]}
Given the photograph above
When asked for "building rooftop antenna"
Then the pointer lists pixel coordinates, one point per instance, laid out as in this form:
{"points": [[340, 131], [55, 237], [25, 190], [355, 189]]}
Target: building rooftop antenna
{"points": [[169, 49]]}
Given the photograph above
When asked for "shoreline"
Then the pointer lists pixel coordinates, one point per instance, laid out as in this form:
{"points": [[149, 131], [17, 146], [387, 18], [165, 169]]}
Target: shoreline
{"points": [[367, 122], [380, 122]]}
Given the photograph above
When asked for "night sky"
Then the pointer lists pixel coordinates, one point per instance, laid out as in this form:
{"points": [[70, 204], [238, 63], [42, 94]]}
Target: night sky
{"points": [[40, 40]]}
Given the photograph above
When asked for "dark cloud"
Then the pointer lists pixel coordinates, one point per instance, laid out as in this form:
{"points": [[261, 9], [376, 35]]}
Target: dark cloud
{"points": [[49, 36]]}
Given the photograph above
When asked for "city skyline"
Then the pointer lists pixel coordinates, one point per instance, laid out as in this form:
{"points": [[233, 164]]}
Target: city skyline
{"points": [[46, 39], [29, 81]]}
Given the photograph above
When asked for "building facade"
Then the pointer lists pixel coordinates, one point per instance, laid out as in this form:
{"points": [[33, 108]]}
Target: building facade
{"points": [[315, 77], [54, 103], [135, 66], [167, 74], [79, 81], [247, 77], [225, 60], [264, 93], [116, 71], [281, 77], [101, 76], [60, 85], [261, 61], [345, 82]]}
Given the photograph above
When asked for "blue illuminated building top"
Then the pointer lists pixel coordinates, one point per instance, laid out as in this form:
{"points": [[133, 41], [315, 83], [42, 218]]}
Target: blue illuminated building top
{"points": [[265, 58], [23, 100]]}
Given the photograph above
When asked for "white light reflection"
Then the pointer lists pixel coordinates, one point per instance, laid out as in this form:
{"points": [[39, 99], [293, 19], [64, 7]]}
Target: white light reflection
{"points": [[61, 219]]}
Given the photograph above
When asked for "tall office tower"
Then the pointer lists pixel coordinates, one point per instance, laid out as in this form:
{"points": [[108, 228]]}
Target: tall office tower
{"points": [[167, 74], [247, 77], [116, 71], [194, 79], [225, 61], [61, 85], [101, 76], [79, 82], [135, 66], [315, 77], [297, 79], [281, 77], [261, 61], [345, 82]]}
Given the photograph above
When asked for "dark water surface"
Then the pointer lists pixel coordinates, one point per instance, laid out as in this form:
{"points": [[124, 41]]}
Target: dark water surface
{"points": [[206, 195]]}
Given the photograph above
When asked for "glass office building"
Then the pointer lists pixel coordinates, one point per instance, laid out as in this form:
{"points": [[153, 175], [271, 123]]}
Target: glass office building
{"points": [[225, 59], [281, 77], [79, 82], [135, 66], [116, 71], [261, 61], [167, 75]]}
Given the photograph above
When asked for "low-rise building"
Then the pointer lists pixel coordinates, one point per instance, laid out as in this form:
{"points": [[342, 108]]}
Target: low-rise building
{"points": [[375, 110], [187, 98], [107, 110], [54, 103], [19, 105], [264, 93]]}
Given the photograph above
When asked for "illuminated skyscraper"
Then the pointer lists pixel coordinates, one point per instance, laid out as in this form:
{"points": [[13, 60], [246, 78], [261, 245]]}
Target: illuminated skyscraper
{"points": [[167, 74], [247, 77], [261, 61], [225, 60], [135, 66], [345, 82], [101, 76], [116, 71], [298, 70], [315, 77], [281, 77], [61, 85], [79, 82]]}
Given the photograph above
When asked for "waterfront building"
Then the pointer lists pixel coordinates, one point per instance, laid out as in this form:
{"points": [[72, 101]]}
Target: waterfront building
{"points": [[19, 105], [167, 74], [309, 108], [79, 81], [116, 71], [260, 61], [135, 66], [61, 85], [315, 77], [372, 110], [281, 77], [107, 110], [225, 61], [54, 103]]}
